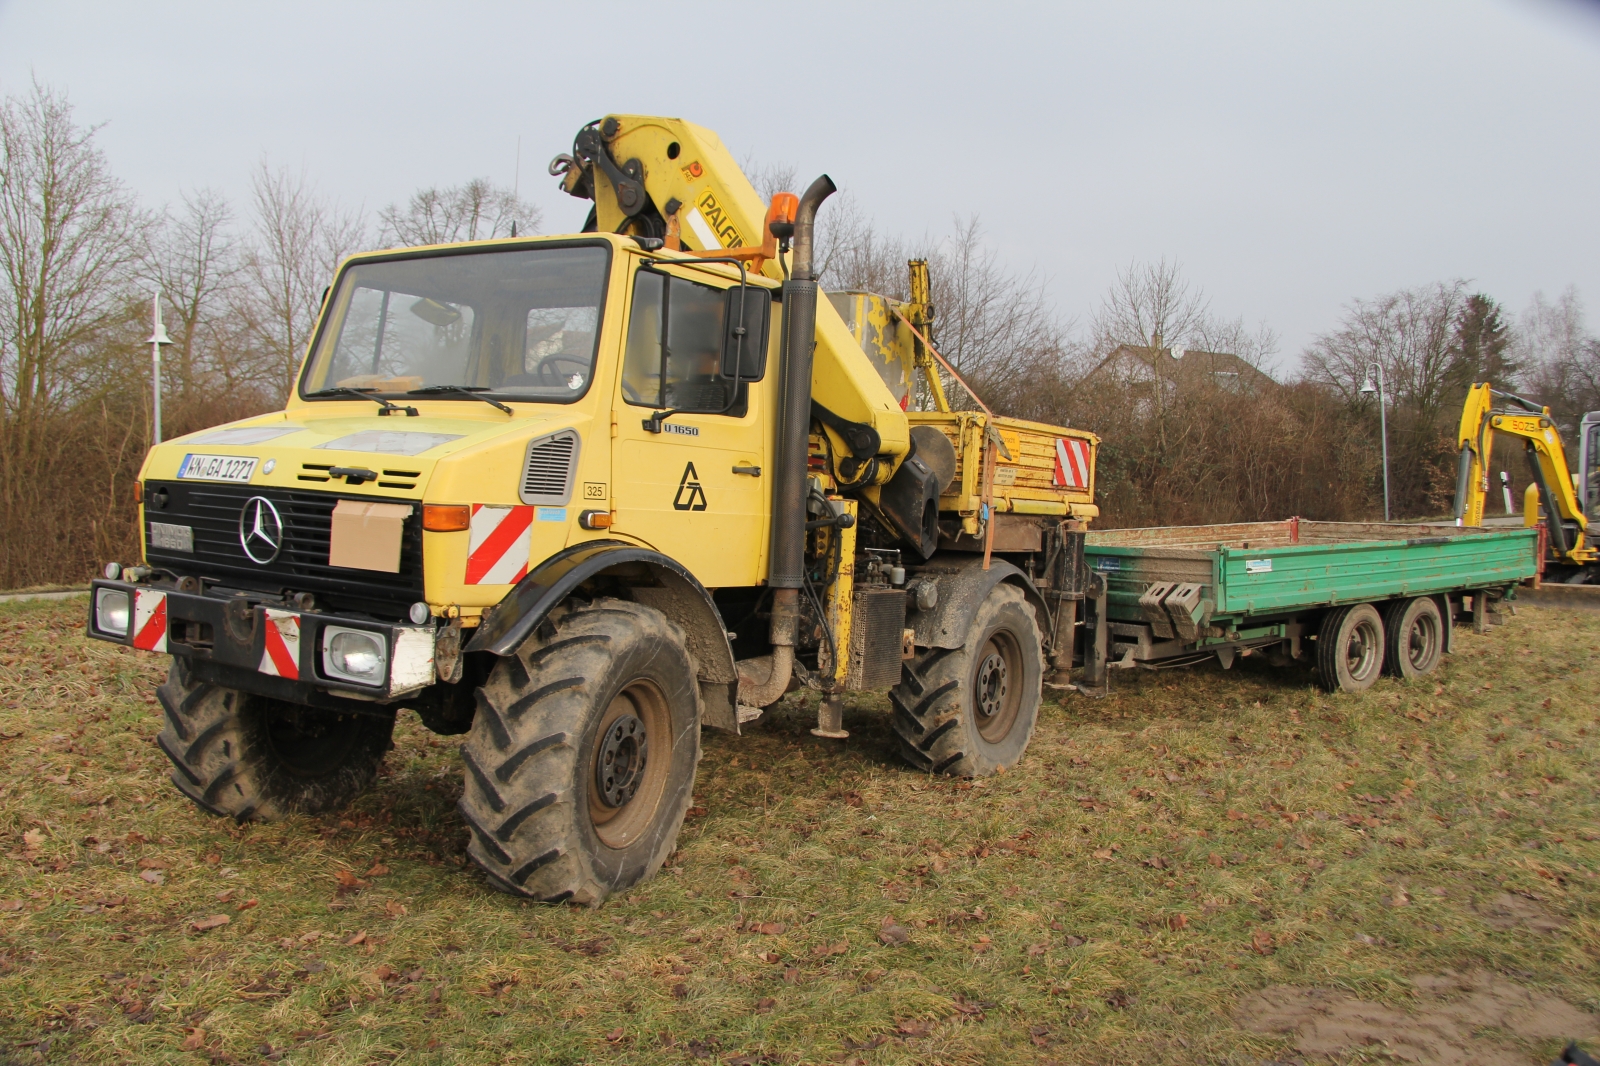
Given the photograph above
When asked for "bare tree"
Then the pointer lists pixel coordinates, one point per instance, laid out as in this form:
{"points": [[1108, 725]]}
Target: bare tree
{"points": [[70, 236], [195, 260], [300, 238], [476, 211], [1151, 305], [1561, 360], [769, 178]]}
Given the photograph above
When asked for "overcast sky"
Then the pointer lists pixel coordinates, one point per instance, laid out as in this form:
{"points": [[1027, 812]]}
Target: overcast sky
{"points": [[1291, 156]]}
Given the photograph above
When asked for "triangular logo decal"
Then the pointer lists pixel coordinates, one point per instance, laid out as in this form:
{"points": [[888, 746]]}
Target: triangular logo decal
{"points": [[690, 497]]}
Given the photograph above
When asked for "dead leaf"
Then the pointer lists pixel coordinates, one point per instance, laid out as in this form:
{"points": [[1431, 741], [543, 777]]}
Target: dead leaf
{"points": [[831, 949], [249, 904], [32, 838], [394, 908], [155, 877], [765, 1004], [225, 895], [615, 1036], [348, 882], [1036, 949], [1076, 941], [195, 1040], [1102, 853], [1399, 899], [1236, 816], [1262, 943], [11, 905], [1156, 862], [853, 798], [153, 864], [768, 928], [216, 921], [892, 933], [1177, 921], [680, 991], [359, 938], [378, 870]]}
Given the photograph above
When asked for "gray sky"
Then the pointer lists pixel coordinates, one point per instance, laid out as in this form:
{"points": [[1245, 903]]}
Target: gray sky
{"points": [[1291, 156]]}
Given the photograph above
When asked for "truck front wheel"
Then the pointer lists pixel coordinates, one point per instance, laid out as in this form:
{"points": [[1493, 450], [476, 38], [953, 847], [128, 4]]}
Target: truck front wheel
{"points": [[248, 757], [970, 711], [581, 759], [1350, 648]]}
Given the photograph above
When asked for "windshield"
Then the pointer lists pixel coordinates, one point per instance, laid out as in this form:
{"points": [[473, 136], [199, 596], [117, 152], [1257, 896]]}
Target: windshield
{"points": [[519, 325]]}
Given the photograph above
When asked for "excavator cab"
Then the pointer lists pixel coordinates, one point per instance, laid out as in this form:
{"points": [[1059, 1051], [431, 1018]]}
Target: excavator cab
{"points": [[1589, 465]]}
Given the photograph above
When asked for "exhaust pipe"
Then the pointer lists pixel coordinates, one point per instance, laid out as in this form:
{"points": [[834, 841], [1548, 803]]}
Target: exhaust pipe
{"points": [[768, 680]]}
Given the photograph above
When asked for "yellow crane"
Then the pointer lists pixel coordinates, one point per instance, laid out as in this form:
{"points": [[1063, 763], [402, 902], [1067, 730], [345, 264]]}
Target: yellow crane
{"points": [[1562, 494]]}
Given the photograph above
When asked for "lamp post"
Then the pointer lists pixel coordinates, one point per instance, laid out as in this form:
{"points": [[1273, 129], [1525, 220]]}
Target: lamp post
{"points": [[1367, 389], [158, 337]]}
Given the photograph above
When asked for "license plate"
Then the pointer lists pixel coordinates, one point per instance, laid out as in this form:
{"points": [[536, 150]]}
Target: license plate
{"points": [[198, 467]]}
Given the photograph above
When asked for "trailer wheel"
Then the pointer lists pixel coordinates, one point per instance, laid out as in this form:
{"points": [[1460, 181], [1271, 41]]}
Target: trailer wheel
{"points": [[581, 759], [248, 757], [970, 711], [1415, 637], [1350, 648]]}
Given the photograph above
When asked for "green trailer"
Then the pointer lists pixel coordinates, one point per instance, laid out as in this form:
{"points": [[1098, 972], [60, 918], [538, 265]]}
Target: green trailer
{"points": [[1361, 598]]}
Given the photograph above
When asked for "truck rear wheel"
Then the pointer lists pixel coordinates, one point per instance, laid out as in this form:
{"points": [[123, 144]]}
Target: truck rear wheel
{"points": [[970, 711], [248, 757], [1350, 648], [1415, 632], [581, 759]]}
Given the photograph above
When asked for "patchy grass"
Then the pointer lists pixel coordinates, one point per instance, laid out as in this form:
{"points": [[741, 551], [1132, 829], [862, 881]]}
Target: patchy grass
{"points": [[1160, 856]]}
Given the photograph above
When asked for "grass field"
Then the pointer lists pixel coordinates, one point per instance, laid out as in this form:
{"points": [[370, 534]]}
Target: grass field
{"points": [[1204, 867]]}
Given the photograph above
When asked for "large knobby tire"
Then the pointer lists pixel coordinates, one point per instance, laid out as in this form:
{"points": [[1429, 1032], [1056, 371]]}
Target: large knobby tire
{"points": [[248, 757], [1350, 648], [581, 759], [1414, 632], [970, 711]]}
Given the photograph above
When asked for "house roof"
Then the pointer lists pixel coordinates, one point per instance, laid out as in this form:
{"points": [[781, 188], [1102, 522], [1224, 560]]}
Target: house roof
{"points": [[1178, 365]]}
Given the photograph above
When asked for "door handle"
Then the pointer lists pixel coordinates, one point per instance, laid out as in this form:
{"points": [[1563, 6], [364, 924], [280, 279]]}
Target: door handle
{"points": [[752, 471]]}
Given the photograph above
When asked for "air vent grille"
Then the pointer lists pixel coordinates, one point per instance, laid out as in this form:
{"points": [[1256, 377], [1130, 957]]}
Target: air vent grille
{"points": [[547, 475]]}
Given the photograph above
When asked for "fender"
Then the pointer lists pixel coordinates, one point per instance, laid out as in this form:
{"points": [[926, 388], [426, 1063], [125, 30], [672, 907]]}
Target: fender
{"points": [[963, 585], [652, 579]]}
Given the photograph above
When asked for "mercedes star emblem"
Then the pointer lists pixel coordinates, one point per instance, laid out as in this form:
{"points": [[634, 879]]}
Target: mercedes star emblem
{"points": [[260, 530]]}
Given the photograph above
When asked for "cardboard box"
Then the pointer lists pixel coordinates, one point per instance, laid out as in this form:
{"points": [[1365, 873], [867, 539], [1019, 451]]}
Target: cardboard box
{"points": [[366, 536]]}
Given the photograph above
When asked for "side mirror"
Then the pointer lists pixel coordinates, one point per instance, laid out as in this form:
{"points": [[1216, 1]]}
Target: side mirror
{"points": [[744, 342]]}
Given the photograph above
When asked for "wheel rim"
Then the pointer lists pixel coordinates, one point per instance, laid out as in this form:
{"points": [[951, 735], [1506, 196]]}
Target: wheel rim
{"points": [[997, 686], [308, 744], [628, 770], [1422, 638], [1363, 652]]}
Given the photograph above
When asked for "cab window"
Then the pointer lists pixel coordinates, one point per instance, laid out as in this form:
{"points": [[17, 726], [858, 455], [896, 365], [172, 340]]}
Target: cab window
{"points": [[685, 374]]}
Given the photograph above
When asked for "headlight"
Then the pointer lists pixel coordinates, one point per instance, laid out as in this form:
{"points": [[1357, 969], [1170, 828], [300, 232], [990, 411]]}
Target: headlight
{"points": [[355, 655], [111, 612]]}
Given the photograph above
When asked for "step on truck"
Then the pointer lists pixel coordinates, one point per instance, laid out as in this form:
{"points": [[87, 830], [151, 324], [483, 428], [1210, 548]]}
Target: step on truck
{"points": [[1356, 600], [576, 498]]}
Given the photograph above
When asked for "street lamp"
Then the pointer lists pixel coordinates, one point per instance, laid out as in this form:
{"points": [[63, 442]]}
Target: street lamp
{"points": [[1367, 389], [158, 337]]}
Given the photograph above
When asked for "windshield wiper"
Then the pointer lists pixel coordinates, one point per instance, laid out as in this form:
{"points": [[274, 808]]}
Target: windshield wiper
{"points": [[385, 407], [469, 391]]}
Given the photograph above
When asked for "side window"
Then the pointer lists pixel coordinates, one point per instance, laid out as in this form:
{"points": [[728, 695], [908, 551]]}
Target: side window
{"points": [[685, 375]]}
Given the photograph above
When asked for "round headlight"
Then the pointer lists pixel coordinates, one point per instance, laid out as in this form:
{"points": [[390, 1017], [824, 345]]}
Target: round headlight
{"points": [[113, 571], [356, 654], [420, 613]]}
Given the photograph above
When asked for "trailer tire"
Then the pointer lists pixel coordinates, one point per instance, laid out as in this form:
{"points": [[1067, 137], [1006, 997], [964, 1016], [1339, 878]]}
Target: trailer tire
{"points": [[971, 711], [248, 757], [1414, 638], [608, 684], [1350, 648]]}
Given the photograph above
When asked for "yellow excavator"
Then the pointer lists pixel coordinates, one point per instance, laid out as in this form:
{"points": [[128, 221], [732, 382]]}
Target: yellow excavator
{"points": [[1568, 500]]}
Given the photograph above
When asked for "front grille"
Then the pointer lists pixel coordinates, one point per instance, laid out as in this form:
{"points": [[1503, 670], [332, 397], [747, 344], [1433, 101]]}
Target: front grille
{"points": [[547, 475], [302, 563]]}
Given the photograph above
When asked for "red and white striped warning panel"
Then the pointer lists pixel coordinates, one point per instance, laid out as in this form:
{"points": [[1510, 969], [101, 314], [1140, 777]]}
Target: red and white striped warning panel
{"points": [[280, 656], [497, 553], [149, 620], [1072, 463]]}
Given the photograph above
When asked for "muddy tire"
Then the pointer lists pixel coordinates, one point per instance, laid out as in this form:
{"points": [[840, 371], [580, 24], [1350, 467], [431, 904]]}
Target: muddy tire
{"points": [[248, 757], [1414, 638], [1350, 648], [970, 711], [581, 760]]}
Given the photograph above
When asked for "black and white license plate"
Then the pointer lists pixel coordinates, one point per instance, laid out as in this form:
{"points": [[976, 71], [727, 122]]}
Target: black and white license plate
{"points": [[198, 467]]}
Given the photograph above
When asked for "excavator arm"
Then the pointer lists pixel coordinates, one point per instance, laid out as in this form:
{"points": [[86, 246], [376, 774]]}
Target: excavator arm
{"points": [[1481, 419], [671, 180]]}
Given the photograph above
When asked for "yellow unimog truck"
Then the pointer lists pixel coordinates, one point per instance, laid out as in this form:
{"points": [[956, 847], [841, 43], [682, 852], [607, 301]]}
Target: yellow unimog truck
{"points": [[579, 497]]}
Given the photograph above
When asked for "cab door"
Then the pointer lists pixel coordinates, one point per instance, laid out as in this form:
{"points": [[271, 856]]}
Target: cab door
{"points": [[695, 485]]}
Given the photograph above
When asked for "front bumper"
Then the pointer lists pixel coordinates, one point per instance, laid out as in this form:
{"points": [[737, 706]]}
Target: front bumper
{"points": [[284, 649]]}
